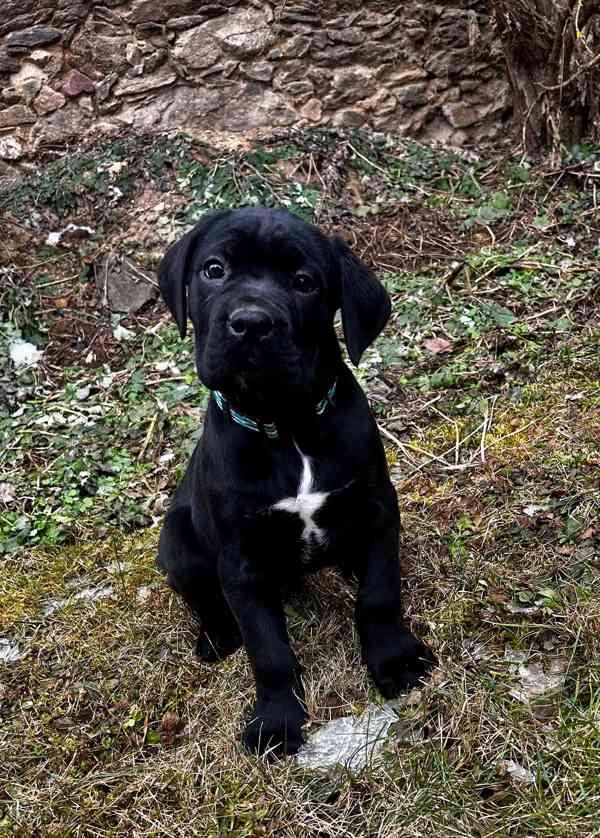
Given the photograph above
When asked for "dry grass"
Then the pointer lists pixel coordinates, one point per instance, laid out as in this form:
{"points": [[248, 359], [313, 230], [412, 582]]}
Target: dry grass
{"points": [[112, 728]]}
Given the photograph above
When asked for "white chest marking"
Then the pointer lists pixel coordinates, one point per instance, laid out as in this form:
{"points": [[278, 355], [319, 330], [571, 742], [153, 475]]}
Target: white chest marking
{"points": [[306, 504]]}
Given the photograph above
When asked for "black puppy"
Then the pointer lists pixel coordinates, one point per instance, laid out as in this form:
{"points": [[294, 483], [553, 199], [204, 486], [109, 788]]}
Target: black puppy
{"points": [[290, 474]]}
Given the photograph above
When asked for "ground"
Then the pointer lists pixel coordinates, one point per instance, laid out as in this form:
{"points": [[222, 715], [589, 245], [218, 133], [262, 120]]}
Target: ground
{"points": [[486, 386]]}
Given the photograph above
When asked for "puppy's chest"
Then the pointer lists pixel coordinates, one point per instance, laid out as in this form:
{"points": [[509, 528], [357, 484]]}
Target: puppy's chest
{"points": [[306, 505]]}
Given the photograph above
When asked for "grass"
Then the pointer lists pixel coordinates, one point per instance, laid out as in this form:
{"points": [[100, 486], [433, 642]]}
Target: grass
{"points": [[486, 386]]}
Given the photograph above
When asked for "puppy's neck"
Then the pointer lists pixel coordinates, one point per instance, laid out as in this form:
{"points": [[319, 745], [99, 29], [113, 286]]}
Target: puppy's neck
{"points": [[287, 405]]}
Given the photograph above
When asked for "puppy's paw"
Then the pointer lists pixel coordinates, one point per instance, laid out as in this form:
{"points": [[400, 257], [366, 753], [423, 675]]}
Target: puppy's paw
{"points": [[398, 661], [275, 727], [217, 645]]}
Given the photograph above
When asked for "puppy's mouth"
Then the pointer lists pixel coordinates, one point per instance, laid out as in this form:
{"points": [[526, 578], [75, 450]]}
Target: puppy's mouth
{"points": [[249, 365]]}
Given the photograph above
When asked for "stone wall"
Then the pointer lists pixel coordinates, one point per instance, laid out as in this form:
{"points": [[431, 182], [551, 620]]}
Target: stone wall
{"points": [[71, 67]]}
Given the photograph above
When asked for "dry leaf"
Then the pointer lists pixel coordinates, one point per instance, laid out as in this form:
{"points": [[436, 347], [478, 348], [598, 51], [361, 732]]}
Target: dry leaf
{"points": [[438, 345]]}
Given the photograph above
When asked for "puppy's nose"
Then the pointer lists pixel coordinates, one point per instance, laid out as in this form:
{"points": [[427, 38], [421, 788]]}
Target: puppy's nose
{"points": [[250, 323]]}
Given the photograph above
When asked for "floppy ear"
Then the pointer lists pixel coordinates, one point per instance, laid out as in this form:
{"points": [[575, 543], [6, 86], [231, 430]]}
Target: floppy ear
{"points": [[365, 303], [174, 271]]}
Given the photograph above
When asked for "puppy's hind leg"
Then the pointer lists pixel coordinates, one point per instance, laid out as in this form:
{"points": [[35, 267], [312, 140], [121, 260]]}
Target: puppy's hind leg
{"points": [[192, 572]]}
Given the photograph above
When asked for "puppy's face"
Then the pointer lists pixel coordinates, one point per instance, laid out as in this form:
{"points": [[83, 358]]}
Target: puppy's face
{"points": [[262, 288], [261, 301]]}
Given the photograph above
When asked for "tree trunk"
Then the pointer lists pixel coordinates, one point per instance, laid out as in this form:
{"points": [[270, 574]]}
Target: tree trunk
{"points": [[552, 53]]}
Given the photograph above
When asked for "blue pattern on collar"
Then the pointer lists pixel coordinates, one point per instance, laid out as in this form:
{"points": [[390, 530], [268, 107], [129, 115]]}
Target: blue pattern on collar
{"points": [[268, 428]]}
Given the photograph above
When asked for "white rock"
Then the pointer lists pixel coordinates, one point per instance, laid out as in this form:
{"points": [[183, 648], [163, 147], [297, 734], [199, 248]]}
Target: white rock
{"points": [[10, 148]]}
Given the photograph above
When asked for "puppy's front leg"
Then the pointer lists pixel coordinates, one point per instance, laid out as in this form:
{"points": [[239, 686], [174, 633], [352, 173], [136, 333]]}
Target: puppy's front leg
{"points": [[276, 721], [395, 658]]}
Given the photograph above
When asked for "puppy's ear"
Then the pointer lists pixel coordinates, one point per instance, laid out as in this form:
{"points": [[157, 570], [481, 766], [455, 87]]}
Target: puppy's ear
{"points": [[365, 303], [175, 269]]}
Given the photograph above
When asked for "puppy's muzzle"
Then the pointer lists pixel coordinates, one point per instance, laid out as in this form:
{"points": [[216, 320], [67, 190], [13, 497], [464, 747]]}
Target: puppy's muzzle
{"points": [[250, 323]]}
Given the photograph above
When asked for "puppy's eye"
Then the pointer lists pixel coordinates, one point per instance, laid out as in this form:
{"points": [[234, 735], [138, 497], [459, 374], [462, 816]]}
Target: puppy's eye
{"points": [[304, 283], [213, 269]]}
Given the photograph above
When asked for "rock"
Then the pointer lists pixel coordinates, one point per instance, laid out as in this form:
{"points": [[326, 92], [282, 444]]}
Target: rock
{"points": [[27, 71], [343, 21], [312, 110], [40, 57], [28, 88], [133, 53], [452, 30], [289, 72], [104, 87], [94, 53], [35, 36], [11, 96], [71, 14], [77, 83], [16, 115], [10, 148], [382, 103], [254, 107], [346, 36], [244, 33], [349, 119], [412, 95], [7, 63], [48, 100], [371, 19], [448, 62], [257, 70], [295, 47], [154, 34], [143, 115], [155, 60], [20, 14], [460, 115], [468, 85], [349, 85], [197, 49], [406, 75], [144, 11], [143, 84], [185, 108], [123, 284], [86, 104], [50, 62], [186, 22], [65, 124], [300, 89]]}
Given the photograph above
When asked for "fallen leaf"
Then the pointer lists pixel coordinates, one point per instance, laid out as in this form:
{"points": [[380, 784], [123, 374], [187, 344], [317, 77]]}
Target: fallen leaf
{"points": [[170, 721], [438, 345]]}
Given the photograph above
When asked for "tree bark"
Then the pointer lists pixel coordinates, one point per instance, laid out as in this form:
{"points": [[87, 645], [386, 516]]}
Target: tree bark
{"points": [[552, 54]]}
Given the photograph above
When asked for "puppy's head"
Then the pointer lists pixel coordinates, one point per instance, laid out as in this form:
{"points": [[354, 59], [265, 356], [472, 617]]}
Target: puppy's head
{"points": [[262, 288]]}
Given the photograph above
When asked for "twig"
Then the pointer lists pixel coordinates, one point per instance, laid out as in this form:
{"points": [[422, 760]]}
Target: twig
{"points": [[148, 437], [396, 442], [513, 433], [487, 424]]}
